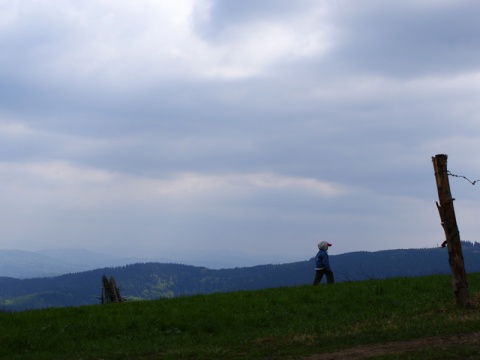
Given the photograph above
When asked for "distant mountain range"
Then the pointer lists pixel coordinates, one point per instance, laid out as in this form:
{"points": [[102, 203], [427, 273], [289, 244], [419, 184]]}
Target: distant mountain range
{"points": [[47, 263], [158, 280], [54, 262]]}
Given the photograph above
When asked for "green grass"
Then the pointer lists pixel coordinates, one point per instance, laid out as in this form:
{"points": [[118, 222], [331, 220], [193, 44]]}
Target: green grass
{"points": [[280, 323]]}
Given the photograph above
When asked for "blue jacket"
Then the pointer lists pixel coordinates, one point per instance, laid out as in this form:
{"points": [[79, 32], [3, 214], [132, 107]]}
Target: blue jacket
{"points": [[321, 260]]}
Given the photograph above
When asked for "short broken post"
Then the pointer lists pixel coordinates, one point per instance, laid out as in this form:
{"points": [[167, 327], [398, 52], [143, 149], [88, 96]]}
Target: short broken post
{"points": [[449, 223], [110, 292]]}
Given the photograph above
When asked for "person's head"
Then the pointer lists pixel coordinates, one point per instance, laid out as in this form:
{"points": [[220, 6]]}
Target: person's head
{"points": [[323, 245]]}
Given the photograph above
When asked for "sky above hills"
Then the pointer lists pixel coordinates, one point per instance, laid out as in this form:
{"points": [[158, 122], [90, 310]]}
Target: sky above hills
{"points": [[184, 128]]}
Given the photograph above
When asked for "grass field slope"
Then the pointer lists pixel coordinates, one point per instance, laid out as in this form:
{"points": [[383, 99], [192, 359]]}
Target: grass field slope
{"points": [[409, 318]]}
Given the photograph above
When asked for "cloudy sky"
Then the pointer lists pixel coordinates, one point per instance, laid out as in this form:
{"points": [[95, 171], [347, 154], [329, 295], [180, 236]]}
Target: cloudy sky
{"points": [[193, 128]]}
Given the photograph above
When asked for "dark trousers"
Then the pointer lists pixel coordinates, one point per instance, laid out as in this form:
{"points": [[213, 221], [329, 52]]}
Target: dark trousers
{"points": [[319, 275]]}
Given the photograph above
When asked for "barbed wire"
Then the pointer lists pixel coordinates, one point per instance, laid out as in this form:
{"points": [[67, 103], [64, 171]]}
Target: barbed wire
{"points": [[463, 177]]}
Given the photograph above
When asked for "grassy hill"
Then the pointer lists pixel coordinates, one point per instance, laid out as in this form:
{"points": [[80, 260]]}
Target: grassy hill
{"points": [[278, 323]]}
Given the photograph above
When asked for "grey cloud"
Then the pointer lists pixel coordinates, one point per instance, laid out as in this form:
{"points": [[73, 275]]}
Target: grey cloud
{"points": [[397, 86], [409, 39], [222, 15]]}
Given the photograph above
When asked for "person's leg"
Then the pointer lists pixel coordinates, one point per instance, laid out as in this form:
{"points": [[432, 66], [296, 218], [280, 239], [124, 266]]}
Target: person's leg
{"points": [[330, 279], [318, 277]]}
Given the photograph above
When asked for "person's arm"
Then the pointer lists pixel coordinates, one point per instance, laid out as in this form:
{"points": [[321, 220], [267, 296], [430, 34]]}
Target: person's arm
{"points": [[326, 262]]}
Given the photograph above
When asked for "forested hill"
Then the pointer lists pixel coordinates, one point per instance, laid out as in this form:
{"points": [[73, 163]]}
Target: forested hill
{"points": [[156, 280]]}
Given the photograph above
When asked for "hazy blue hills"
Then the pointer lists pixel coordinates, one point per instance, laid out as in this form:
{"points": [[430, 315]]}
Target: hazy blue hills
{"points": [[22, 264], [157, 280], [53, 262]]}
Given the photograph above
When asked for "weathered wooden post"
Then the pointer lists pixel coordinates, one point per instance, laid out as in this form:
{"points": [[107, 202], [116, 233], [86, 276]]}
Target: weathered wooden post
{"points": [[110, 292], [449, 223]]}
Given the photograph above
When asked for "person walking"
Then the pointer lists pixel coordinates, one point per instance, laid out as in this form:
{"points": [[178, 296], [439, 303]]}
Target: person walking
{"points": [[322, 264]]}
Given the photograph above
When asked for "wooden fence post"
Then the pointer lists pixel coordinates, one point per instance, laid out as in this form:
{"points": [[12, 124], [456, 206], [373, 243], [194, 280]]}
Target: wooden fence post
{"points": [[449, 223]]}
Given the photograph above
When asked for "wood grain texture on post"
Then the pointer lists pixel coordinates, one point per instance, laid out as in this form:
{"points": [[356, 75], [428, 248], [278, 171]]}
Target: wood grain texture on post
{"points": [[452, 234]]}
